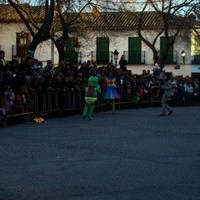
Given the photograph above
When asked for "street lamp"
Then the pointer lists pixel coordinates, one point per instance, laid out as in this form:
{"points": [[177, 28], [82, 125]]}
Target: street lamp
{"points": [[183, 56], [115, 53]]}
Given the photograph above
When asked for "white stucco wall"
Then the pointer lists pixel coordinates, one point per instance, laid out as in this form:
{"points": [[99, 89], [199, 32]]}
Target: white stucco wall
{"points": [[46, 51], [118, 40], [8, 37]]}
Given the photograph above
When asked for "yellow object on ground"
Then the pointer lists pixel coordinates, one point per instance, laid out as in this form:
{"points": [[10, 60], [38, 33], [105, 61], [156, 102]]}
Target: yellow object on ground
{"points": [[38, 120]]}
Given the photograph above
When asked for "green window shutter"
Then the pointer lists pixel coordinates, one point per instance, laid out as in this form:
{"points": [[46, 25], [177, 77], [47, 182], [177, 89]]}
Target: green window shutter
{"points": [[163, 46], [71, 55], [134, 50], [196, 59], [102, 53]]}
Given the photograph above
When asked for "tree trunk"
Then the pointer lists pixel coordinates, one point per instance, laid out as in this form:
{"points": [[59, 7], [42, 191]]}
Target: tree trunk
{"points": [[61, 51], [31, 50], [60, 45], [155, 56]]}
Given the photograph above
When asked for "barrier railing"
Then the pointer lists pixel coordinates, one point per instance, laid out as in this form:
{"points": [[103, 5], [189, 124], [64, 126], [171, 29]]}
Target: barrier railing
{"points": [[54, 102], [47, 102]]}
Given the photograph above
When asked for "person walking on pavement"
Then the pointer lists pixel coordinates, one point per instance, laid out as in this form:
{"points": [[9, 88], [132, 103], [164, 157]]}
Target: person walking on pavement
{"points": [[167, 94]]}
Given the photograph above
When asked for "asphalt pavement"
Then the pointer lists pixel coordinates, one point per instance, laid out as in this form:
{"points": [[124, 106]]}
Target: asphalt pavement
{"points": [[132, 155]]}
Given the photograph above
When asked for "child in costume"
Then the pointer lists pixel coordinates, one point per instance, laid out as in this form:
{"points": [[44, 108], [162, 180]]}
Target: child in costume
{"points": [[91, 93], [9, 100], [111, 90]]}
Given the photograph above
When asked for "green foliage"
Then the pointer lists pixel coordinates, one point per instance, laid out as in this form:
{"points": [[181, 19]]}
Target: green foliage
{"points": [[196, 46]]}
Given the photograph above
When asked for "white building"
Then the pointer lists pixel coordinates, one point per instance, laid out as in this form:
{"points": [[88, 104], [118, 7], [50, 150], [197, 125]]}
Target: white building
{"points": [[106, 33]]}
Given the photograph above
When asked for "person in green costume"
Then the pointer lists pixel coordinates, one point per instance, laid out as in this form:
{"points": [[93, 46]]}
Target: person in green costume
{"points": [[91, 94]]}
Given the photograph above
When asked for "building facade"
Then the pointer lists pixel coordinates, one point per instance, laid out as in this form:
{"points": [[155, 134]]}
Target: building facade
{"points": [[99, 42]]}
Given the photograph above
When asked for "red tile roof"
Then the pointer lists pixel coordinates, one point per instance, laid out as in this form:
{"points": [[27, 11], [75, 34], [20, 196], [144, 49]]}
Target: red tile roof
{"points": [[98, 21], [9, 15]]}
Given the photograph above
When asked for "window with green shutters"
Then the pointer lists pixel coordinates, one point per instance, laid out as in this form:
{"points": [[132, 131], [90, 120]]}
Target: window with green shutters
{"points": [[163, 46], [102, 52], [71, 54], [134, 50]]}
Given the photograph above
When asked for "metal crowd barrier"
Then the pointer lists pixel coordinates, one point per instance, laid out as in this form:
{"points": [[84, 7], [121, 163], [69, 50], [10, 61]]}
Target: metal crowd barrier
{"points": [[56, 102], [59, 102], [35, 104]]}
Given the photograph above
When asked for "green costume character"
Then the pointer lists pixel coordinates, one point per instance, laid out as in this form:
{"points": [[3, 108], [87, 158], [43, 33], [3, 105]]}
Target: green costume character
{"points": [[91, 93]]}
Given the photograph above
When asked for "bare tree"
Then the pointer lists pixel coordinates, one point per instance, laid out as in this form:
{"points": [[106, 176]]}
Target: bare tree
{"points": [[38, 20], [59, 18], [68, 17], [197, 11], [50, 19], [175, 21]]}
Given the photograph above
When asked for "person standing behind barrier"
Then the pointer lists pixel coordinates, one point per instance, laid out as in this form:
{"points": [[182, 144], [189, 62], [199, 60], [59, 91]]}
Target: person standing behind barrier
{"points": [[111, 90], [2, 116], [123, 63], [2, 61], [9, 100], [167, 94], [49, 68], [91, 95]]}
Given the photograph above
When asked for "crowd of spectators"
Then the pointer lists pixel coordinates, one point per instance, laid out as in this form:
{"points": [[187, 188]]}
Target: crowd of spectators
{"points": [[21, 78]]}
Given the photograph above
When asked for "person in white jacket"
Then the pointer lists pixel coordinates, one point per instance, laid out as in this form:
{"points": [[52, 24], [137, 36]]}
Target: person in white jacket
{"points": [[167, 94]]}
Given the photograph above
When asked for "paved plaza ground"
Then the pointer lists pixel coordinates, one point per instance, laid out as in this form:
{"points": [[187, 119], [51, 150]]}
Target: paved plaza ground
{"points": [[133, 155]]}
